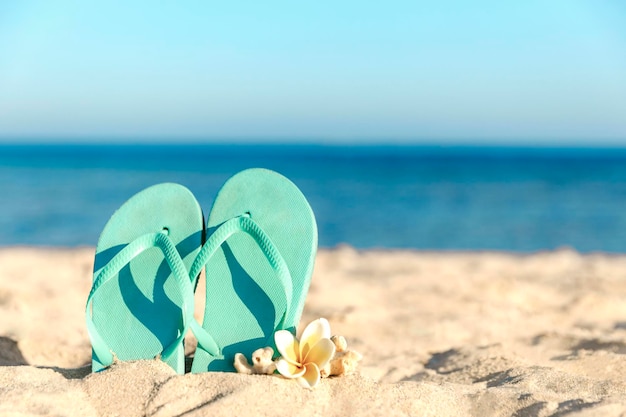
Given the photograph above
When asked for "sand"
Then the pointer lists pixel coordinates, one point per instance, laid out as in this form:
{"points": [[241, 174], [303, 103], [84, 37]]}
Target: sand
{"points": [[442, 334]]}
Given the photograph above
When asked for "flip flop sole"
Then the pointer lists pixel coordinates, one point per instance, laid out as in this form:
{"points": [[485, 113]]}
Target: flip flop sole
{"points": [[244, 298], [138, 313]]}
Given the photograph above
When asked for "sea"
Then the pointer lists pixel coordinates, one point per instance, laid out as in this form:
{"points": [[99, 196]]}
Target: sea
{"points": [[434, 198]]}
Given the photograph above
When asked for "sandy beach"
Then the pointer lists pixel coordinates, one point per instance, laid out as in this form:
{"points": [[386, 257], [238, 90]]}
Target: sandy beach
{"points": [[442, 334]]}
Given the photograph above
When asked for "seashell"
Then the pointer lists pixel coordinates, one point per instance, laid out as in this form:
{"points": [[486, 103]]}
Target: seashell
{"points": [[262, 362], [344, 361]]}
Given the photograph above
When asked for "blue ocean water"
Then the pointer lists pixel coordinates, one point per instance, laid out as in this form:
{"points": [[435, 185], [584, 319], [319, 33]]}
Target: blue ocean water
{"points": [[422, 197]]}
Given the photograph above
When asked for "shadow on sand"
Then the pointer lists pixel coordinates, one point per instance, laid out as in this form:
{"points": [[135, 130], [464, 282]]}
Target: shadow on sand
{"points": [[11, 355]]}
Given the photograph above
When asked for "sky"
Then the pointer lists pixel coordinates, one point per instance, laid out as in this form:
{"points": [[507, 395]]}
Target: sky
{"points": [[327, 71]]}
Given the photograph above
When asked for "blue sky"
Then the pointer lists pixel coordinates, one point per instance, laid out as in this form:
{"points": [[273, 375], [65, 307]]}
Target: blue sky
{"points": [[357, 71]]}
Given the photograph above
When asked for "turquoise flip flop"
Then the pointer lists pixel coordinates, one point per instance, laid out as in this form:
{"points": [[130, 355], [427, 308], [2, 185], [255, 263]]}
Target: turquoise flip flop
{"points": [[259, 256], [141, 302]]}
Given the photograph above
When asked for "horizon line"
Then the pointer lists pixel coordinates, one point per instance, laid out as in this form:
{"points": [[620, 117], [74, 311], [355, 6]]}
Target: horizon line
{"points": [[315, 141]]}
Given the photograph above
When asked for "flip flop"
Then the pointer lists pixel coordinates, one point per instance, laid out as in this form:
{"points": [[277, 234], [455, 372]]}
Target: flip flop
{"points": [[141, 302], [259, 255]]}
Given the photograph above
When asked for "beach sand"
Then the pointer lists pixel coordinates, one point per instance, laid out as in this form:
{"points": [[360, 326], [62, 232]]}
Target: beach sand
{"points": [[442, 334]]}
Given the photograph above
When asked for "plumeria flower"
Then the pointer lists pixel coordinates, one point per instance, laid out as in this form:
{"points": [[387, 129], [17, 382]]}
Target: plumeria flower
{"points": [[303, 360]]}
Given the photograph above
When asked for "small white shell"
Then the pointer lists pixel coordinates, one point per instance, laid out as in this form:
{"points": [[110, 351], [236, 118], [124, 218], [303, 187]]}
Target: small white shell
{"points": [[262, 362]]}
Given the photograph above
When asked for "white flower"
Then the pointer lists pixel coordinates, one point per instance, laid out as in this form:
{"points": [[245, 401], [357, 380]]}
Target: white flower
{"points": [[303, 360]]}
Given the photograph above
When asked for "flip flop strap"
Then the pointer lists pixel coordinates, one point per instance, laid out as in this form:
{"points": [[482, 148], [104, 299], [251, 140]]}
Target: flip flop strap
{"points": [[123, 258], [241, 224]]}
